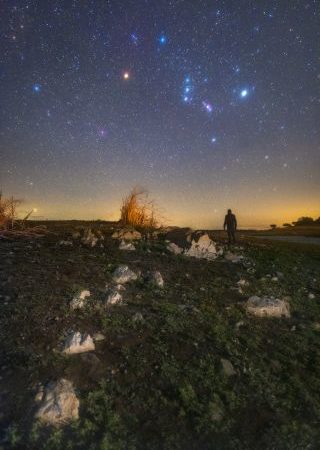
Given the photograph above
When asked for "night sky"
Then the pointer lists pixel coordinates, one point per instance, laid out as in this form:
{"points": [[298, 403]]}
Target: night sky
{"points": [[208, 104]]}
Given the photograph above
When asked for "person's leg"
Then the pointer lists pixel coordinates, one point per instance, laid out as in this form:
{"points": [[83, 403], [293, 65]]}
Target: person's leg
{"points": [[229, 236], [233, 236]]}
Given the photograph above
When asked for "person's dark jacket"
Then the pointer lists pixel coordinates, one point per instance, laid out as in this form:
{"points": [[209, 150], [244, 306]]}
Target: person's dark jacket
{"points": [[230, 222]]}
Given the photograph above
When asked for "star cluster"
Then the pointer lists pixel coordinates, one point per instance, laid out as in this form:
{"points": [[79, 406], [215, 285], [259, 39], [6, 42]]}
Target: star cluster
{"points": [[209, 104]]}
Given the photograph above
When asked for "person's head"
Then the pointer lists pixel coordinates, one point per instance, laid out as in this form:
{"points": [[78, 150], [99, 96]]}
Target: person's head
{"points": [[229, 211]]}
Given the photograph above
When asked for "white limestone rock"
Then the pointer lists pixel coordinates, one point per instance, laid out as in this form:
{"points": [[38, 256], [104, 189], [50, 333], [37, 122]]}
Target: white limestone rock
{"points": [[242, 282], [128, 246], [137, 317], [98, 337], [267, 307], [227, 367], [204, 248], [78, 343], [154, 278], [127, 235], [58, 403], [123, 274], [80, 300], [66, 243], [114, 297], [89, 238], [174, 248]]}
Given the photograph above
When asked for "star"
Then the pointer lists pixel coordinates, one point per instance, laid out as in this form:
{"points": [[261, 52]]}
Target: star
{"points": [[126, 76], [102, 132], [187, 89], [207, 106], [36, 88], [134, 39], [244, 93], [162, 39], [213, 139]]}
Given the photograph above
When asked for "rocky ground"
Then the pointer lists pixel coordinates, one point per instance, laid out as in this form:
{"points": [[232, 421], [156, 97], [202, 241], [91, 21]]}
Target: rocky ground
{"points": [[112, 339]]}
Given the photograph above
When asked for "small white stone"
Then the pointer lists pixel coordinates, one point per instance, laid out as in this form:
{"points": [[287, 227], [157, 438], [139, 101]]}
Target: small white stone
{"points": [[227, 367], [66, 243], [98, 337], [127, 235], [154, 278], [174, 248], [123, 275], [242, 282], [311, 296], [267, 307], [120, 287], [78, 343], [80, 300], [138, 317], [89, 238], [114, 297], [58, 403], [240, 324], [127, 246]]}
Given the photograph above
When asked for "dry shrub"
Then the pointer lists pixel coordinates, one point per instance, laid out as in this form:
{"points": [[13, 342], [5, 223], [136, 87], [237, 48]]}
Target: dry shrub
{"points": [[138, 211], [8, 212]]}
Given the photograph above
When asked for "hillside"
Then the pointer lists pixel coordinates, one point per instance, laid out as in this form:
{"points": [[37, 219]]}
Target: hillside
{"points": [[181, 364]]}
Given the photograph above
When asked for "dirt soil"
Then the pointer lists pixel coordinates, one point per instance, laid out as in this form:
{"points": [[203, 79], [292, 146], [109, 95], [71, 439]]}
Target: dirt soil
{"points": [[159, 382]]}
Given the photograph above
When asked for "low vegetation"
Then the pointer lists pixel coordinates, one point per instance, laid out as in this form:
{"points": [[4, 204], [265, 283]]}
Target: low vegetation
{"points": [[11, 223], [139, 211], [181, 367], [8, 212]]}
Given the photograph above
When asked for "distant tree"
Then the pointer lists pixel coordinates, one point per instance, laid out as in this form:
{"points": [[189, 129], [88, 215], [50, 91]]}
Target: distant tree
{"points": [[287, 225], [303, 221], [273, 226]]}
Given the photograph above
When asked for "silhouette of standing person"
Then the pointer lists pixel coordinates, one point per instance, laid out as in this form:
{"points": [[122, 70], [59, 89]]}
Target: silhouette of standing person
{"points": [[230, 222]]}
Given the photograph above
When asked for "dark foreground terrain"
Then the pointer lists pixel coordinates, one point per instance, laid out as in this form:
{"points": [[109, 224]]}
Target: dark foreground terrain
{"points": [[191, 371]]}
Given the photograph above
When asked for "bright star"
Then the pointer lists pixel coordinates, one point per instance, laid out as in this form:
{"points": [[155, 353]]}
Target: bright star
{"points": [[244, 93], [207, 106], [126, 75], [36, 87], [213, 140], [163, 39], [187, 90]]}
